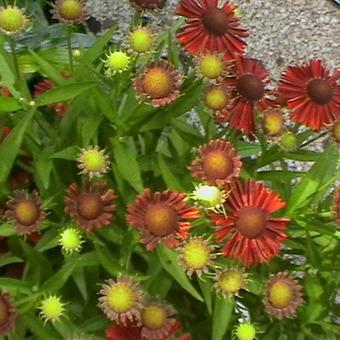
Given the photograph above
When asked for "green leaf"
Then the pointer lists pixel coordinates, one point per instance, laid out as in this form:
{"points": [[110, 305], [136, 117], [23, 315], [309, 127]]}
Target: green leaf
{"points": [[58, 280], [80, 280], [169, 261], [8, 259], [96, 50], [27, 64], [70, 153], [107, 260], [9, 104], [64, 93], [279, 175], [40, 331], [7, 230], [170, 179], [7, 74], [47, 69], [313, 312], [321, 173], [303, 155], [245, 149], [206, 289], [222, 313], [173, 51], [10, 147], [126, 160], [12, 284], [43, 165]]}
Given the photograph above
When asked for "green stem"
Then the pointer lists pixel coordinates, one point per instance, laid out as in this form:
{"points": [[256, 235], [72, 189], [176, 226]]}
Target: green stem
{"points": [[20, 81], [69, 46]]}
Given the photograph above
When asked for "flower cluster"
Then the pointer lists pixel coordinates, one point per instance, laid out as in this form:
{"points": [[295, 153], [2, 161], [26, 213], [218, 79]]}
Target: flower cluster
{"points": [[212, 222], [135, 317]]}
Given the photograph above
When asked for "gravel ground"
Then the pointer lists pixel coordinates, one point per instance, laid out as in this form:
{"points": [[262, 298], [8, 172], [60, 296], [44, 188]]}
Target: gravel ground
{"points": [[283, 32]]}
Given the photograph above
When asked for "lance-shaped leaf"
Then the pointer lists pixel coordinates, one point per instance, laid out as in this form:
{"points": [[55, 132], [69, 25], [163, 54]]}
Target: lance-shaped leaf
{"points": [[64, 93], [168, 259]]}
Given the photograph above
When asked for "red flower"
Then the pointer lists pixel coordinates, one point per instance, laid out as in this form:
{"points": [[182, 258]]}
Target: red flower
{"points": [[91, 207], [141, 5], [161, 216], [253, 236], [211, 27], [8, 314], [45, 85], [248, 84], [5, 91], [133, 332], [19, 178], [119, 332], [313, 93], [5, 132], [160, 84]]}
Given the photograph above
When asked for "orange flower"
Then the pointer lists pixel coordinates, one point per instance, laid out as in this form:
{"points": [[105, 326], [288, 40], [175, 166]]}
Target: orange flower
{"points": [[218, 163], [159, 84], [161, 217]]}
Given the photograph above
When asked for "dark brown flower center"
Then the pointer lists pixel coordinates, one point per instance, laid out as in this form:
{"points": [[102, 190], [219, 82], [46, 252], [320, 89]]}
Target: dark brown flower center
{"points": [[250, 87], [216, 21], [3, 312], [251, 221], [320, 91], [161, 219], [217, 165], [90, 206], [26, 212]]}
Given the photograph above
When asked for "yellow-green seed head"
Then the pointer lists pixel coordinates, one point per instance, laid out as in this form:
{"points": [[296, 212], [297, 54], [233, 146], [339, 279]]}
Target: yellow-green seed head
{"points": [[51, 308], [70, 9], [208, 196], [12, 20], [216, 98], [121, 297], [117, 62], [245, 331], [230, 281], [93, 161], [71, 240], [211, 66], [141, 40], [289, 141]]}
